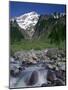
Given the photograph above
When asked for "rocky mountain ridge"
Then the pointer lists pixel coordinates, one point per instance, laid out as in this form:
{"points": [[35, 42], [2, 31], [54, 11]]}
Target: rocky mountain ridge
{"points": [[28, 23]]}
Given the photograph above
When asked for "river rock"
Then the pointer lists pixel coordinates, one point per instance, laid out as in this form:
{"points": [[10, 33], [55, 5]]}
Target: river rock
{"points": [[52, 52], [32, 57], [44, 85], [58, 58], [12, 60], [51, 76], [51, 66], [58, 82], [33, 78], [60, 74], [62, 67], [14, 72], [61, 53]]}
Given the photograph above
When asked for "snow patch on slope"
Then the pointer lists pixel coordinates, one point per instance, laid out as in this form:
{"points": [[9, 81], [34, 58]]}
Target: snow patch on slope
{"points": [[27, 22], [28, 19]]}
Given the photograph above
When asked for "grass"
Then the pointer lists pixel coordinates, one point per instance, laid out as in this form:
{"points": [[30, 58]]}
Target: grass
{"points": [[33, 44]]}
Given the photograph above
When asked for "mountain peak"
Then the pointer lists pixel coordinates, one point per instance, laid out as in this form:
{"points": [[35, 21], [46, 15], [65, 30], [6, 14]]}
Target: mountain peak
{"points": [[27, 22]]}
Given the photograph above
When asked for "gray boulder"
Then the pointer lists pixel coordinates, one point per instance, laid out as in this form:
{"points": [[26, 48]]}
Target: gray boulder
{"points": [[51, 76], [52, 53], [33, 78]]}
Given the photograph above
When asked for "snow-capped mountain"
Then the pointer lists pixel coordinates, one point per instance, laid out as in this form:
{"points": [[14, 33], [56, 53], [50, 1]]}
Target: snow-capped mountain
{"points": [[28, 19], [27, 22], [32, 25]]}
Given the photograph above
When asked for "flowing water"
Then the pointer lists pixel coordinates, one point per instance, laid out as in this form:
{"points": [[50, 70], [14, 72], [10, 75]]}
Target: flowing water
{"points": [[25, 75], [34, 75]]}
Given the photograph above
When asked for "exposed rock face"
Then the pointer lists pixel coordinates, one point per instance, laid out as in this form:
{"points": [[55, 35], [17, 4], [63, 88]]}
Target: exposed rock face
{"points": [[32, 25], [27, 23]]}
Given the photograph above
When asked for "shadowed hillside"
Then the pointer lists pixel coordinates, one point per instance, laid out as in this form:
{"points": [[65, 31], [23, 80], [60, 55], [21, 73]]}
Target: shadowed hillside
{"points": [[49, 32]]}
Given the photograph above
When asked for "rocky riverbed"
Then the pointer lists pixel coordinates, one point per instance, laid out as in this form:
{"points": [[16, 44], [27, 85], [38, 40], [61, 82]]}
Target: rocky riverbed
{"points": [[38, 68]]}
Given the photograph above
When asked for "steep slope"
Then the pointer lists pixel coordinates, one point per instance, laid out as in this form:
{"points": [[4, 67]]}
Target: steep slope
{"points": [[48, 32], [27, 23], [15, 34], [32, 25], [47, 25]]}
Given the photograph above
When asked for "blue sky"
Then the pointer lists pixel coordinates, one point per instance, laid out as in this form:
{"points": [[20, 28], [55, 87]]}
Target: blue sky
{"points": [[18, 8]]}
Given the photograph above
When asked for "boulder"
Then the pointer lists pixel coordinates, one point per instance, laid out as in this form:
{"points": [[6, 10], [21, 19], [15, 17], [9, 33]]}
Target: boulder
{"points": [[58, 82], [60, 74], [62, 66], [44, 85], [61, 53], [33, 55], [33, 78], [51, 66], [14, 73], [52, 53], [51, 76]]}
